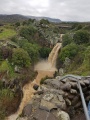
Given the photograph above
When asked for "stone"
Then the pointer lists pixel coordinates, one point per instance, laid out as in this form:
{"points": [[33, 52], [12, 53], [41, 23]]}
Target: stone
{"points": [[56, 84], [59, 102], [86, 82], [58, 78], [61, 71], [48, 81], [44, 88], [60, 97], [40, 92], [64, 80], [75, 100], [73, 91], [66, 87], [63, 115], [77, 105], [73, 84], [82, 83], [71, 96], [48, 97], [17, 69], [68, 102], [43, 115], [60, 92], [27, 110], [45, 105], [71, 112], [35, 87]]}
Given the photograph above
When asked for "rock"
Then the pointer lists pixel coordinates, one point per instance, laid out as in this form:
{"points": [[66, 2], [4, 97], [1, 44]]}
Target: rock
{"points": [[70, 96], [22, 118], [45, 105], [58, 77], [48, 97], [60, 92], [17, 69], [78, 104], [39, 92], [86, 82], [56, 84], [59, 102], [48, 81], [73, 91], [66, 87], [84, 89], [68, 102], [73, 84], [44, 88], [43, 115], [75, 100], [82, 83], [64, 80], [88, 98], [60, 97], [61, 71], [71, 111], [63, 116], [35, 87], [27, 110]]}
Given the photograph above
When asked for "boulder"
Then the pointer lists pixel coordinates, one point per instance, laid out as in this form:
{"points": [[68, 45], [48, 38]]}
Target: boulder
{"points": [[87, 82], [43, 115], [75, 100], [63, 115], [56, 84], [35, 87], [48, 97], [66, 87], [73, 84], [60, 92], [73, 91], [68, 102], [59, 102], [48, 106], [27, 110]]}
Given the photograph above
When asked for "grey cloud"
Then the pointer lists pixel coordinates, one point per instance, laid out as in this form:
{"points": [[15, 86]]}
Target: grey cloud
{"points": [[66, 10]]}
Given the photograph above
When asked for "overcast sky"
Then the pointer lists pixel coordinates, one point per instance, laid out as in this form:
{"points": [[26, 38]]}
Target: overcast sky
{"points": [[66, 10]]}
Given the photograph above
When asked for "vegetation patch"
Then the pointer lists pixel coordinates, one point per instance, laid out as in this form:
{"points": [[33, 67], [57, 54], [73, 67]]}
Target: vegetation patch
{"points": [[6, 33]]}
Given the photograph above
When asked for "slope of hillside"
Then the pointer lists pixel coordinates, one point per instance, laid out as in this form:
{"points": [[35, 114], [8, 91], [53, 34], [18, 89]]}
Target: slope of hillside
{"points": [[17, 17]]}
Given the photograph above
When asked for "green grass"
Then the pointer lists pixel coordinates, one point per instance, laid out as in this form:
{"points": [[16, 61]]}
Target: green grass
{"points": [[6, 33], [6, 66]]}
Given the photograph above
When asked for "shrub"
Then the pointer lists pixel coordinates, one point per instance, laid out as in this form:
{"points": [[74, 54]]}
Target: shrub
{"points": [[28, 32], [33, 51], [6, 52], [67, 39], [44, 52], [87, 58], [68, 51], [20, 57], [81, 37], [44, 21]]}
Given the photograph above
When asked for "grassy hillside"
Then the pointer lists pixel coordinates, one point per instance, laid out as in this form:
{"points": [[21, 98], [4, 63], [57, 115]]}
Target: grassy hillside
{"points": [[74, 57], [6, 33]]}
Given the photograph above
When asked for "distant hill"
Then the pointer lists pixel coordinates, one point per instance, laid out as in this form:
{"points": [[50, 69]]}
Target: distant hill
{"points": [[17, 17], [47, 18], [12, 18]]}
